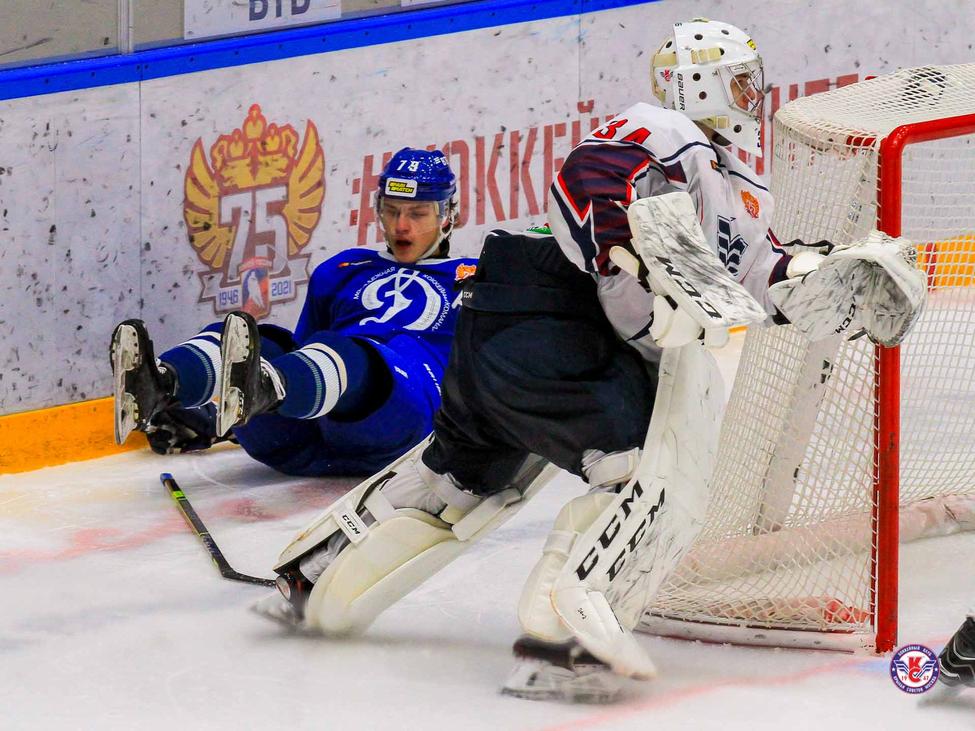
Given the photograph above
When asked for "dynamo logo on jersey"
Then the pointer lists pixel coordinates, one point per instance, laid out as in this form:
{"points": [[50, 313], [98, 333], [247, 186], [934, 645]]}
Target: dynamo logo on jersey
{"points": [[416, 300]]}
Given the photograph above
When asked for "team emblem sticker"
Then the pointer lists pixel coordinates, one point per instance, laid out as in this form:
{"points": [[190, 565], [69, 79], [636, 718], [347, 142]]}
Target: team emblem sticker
{"points": [[464, 271], [401, 187], [250, 208], [751, 203], [914, 669]]}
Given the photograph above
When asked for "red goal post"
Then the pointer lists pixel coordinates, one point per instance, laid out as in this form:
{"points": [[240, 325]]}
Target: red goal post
{"points": [[832, 453]]}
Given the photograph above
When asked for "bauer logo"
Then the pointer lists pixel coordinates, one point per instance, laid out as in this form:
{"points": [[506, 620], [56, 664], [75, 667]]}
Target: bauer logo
{"points": [[250, 208], [914, 669]]}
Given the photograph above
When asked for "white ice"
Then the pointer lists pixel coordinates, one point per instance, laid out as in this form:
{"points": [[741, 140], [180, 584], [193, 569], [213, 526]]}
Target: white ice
{"points": [[114, 618]]}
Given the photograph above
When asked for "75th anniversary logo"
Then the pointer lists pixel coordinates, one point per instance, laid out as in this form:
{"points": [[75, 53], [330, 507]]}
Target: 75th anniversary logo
{"points": [[250, 209]]}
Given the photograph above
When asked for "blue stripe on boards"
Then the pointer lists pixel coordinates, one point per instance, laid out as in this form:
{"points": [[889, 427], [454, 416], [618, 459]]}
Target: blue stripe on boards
{"points": [[270, 46]]}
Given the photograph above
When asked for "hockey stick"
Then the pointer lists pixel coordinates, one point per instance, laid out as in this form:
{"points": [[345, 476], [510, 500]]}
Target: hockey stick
{"points": [[216, 555]]}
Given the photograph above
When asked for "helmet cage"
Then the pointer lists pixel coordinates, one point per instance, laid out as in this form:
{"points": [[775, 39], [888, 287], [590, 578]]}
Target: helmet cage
{"points": [[745, 86]]}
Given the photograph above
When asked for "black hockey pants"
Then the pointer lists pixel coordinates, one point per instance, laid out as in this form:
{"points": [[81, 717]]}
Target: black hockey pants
{"points": [[535, 367]]}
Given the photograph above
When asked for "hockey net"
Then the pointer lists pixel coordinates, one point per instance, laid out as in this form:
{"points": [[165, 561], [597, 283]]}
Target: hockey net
{"points": [[800, 542]]}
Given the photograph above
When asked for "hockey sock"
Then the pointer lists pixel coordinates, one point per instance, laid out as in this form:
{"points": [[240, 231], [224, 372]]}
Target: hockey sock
{"points": [[333, 374], [197, 366]]}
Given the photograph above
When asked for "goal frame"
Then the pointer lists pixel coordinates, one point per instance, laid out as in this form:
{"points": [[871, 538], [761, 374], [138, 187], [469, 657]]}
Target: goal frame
{"points": [[886, 510]]}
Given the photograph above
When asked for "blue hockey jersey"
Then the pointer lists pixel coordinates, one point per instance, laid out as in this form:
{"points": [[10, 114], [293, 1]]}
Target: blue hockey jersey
{"points": [[367, 293]]}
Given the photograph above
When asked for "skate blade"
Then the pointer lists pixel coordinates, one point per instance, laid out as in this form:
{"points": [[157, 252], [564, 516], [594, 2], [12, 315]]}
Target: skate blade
{"points": [[540, 681], [279, 610], [233, 350], [231, 409], [125, 358]]}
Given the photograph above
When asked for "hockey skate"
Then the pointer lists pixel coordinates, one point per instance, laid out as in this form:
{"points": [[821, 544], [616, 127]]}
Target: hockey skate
{"points": [[561, 672], [286, 605], [957, 660], [143, 388], [248, 386]]}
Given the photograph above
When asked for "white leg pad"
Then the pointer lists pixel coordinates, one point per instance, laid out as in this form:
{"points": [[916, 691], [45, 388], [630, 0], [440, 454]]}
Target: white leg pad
{"points": [[386, 560], [618, 563], [396, 556], [343, 514], [535, 611]]}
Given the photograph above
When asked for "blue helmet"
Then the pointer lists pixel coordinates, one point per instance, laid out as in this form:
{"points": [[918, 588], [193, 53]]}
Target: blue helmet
{"points": [[418, 175], [421, 175]]}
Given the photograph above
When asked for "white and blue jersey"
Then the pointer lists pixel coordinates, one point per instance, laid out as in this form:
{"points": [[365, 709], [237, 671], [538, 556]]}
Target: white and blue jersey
{"points": [[647, 151], [407, 314], [368, 294]]}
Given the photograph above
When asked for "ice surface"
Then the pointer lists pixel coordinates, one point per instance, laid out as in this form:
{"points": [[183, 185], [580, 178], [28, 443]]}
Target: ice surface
{"points": [[113, 617]]}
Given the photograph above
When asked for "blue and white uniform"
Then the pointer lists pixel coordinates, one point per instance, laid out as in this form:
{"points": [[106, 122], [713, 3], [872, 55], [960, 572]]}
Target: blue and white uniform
{"points": [[405, 314], [358, 381]]}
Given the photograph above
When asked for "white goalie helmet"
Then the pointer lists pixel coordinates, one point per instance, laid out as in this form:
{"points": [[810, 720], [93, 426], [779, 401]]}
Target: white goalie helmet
{"points": [[711, 71]]}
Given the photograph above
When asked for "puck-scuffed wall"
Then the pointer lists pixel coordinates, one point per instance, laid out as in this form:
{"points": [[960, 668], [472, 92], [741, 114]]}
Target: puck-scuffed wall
{"points": [[124, 200]]}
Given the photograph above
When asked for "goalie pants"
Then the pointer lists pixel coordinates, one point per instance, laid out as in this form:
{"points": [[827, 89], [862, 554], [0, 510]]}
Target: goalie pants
{"points": [[535, 367]]}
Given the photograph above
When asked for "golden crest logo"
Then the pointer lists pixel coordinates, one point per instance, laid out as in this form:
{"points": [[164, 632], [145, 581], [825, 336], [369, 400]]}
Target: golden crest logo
{"points": [[250, 209], [751, 203]]}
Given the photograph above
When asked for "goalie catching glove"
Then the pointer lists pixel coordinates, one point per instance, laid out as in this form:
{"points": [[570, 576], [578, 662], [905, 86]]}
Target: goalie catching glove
{"points": [[872, 285]]}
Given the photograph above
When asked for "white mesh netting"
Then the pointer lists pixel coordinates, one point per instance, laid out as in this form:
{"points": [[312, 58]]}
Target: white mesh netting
{"points": [[788, 536]]}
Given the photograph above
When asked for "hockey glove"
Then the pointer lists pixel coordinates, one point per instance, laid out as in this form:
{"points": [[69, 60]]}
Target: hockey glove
{"points": [[872, 285], [176, 430]]}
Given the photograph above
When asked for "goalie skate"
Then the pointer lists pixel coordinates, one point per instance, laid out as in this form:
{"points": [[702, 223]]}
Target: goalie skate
{"points": [[247, 387], [281, 611], [141, 388], [560, 672]]}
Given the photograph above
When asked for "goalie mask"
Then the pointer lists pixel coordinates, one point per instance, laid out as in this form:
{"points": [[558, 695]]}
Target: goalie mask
{"points": [[712, 72], [416, 204]]}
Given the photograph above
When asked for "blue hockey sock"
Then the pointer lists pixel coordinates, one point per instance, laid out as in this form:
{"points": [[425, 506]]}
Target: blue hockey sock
{"points": [[197, 365], [334, 373]]}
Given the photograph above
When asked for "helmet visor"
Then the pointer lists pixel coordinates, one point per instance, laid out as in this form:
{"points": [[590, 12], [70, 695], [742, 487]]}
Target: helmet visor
{"points": [[410, 220], [745, 87]]}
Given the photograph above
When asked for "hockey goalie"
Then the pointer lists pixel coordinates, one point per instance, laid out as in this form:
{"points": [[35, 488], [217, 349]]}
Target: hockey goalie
{"points": [[586, 347]]}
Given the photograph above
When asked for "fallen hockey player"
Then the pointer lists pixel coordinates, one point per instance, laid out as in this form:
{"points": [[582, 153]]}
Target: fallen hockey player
{"points": [[358, 381]]}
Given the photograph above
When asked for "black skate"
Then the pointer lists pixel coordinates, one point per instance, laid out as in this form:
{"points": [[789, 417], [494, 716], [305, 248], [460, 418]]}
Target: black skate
{"points": [[142, 388], [561, 672], [246, 389], [957, 660]]}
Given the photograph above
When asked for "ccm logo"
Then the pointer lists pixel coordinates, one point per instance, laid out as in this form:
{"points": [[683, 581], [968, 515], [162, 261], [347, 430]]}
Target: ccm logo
{"points": [[350, 523], [593, 558], [689, 288], [848, 319]]}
